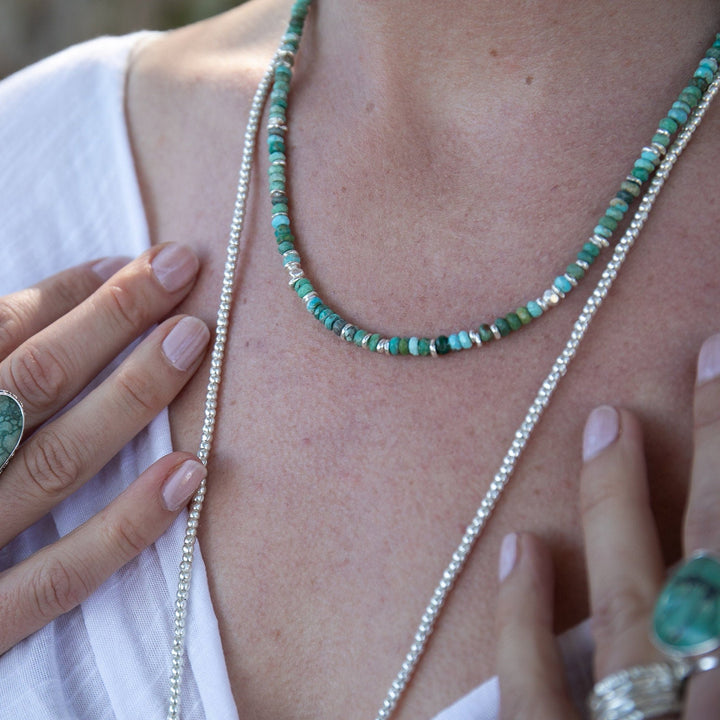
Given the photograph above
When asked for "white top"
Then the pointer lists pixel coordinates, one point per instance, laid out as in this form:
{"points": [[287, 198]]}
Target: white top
{"points": [[69, 193]]}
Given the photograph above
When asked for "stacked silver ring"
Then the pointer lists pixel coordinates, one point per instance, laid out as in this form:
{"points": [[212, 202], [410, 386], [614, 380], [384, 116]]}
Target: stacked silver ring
{"points": [[640, 692]]}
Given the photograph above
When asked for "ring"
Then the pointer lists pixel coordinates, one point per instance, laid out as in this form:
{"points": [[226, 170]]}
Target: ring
{"points": [[686, 628], [640, 692], [12, 424], [686, 620]]}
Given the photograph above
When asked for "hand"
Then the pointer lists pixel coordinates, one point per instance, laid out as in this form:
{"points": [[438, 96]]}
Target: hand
{"points": [[623, 557], [54, 339]]}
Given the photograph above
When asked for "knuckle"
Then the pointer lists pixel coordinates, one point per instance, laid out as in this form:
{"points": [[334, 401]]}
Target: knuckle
{"points": [[38, 375], [127, 309], [52, 463], [138, 390], [617, 611], [12, 328], [127, 538], [56, 587]]}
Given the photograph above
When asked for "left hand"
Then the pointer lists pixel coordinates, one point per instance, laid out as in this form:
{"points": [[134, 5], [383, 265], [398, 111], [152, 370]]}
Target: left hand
{"points": [[624, 563]]}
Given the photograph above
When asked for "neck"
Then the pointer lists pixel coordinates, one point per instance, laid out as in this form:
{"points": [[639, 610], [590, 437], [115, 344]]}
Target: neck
{"points": [[442, 55]]}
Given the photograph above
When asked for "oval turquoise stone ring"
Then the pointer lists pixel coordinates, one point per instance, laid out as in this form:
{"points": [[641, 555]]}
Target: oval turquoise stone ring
{"points": [[686, 621], [12, 424]]}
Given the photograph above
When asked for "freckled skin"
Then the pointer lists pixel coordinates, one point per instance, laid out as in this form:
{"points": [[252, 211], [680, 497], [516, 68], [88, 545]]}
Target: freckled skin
{"points": [[423, 200]]}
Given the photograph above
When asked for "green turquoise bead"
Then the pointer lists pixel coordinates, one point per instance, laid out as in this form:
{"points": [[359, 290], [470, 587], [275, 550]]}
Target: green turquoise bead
{"points": [[667, 123], [661, 139], [608, 222], [586, 257], [373, 342], [404, 347], [686, 620], [486, 334], [625, 196], [283, 247], [423, 346], [534, 309], [591, 249], [563, 284], [616, 214], [575, 271], [359, 335], [619, 204], [640, 174], [12, 423], [647, 165], [503, 326], [442, 345], [630, 187], [524, 314], [513, 320]]}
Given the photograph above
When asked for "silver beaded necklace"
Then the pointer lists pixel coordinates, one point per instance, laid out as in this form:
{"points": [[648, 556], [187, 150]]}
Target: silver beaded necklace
{"points": [[509, 461]]}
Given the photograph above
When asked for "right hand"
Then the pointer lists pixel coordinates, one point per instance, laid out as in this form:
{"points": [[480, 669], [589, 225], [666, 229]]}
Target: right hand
{"points": [[54, 339]]}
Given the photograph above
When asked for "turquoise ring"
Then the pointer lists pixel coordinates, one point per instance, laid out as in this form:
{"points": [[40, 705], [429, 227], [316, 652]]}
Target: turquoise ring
{"points": [[686, 619], [12, 424]]}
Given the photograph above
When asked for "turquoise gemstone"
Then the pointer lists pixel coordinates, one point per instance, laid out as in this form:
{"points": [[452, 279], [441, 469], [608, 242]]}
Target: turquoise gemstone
{"points": [[534, 309], [686, 620], [464, 338], [454, 341], [562, 283], [12, 422], [394, 345], [413, 346]]}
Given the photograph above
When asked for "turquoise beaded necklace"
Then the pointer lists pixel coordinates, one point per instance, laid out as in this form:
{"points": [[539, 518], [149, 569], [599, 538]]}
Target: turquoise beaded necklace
{"points": [[630, 189]]}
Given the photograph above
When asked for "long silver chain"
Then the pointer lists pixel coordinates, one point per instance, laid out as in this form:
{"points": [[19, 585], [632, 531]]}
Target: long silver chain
{"points": [[509, 462]]}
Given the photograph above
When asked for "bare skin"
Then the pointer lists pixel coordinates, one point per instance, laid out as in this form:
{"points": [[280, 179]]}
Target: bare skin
{"points": [[341, 481]]}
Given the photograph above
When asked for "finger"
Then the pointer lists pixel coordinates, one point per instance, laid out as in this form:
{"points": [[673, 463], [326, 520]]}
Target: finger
{"points": [[702, 528], [51, 368], [529, 667], [702, 525], [62, 575], [62, 455], [624, 562], [26, 312]]}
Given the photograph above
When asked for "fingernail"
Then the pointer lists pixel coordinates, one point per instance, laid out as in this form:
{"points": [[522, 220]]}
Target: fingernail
{"points": [[185, 342], [182, 484], [601, 429], [175, 266], [709, 360], [508, 555], [107, 267]]}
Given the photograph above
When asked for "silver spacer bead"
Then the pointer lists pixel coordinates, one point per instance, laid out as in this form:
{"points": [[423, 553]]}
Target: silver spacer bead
{"points": [[475, 337], [346, 331], [554, 288], [551, 297], [582, 264], [495, 331], [571, 279], [633, 179], [433, 349], [309, 297], [599, 241], [366, 340]]}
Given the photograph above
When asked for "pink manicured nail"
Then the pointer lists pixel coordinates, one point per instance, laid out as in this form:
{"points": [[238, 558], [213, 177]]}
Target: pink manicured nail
{"points": [[185, 342], [709, 360], [182, 484], [601, 429], [107, 267], [508, 555], [175, 266]]}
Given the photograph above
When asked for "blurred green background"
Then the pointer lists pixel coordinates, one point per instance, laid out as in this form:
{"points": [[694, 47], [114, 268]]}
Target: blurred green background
{"points": [[32, 29]]}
